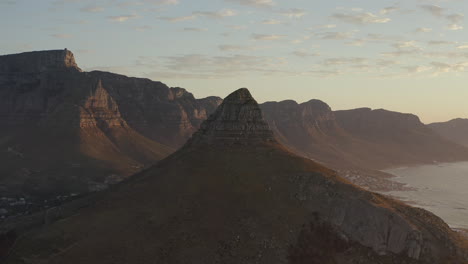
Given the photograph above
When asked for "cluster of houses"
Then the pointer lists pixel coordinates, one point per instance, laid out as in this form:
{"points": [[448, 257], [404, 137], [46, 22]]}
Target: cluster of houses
{"points": [[19, 206]]}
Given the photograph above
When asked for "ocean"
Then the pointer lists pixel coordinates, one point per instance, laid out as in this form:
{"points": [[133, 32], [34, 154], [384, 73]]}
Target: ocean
{"points": [[439, 188]]}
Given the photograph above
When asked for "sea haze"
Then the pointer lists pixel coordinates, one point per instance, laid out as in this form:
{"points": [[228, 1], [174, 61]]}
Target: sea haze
{"points": [[441, 189]]}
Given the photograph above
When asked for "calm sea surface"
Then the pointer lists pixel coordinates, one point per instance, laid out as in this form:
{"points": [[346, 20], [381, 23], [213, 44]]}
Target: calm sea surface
{"points": [[441, 189]]}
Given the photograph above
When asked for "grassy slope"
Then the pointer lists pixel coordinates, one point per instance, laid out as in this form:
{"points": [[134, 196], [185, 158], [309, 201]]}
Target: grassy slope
{"points": [[198, 206]]}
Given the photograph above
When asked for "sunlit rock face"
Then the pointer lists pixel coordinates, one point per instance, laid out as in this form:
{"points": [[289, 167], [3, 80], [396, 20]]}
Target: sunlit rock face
{"points": [[54, 115]]}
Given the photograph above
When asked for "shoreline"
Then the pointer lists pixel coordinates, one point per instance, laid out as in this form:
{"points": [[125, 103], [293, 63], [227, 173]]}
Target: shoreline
{"points": [[435, 163], [462, 231]]}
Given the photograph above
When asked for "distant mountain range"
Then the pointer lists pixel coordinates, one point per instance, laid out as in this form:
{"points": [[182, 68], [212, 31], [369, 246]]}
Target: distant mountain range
{"points": [[455, 130], [362, 137], [234, 194], [68, 131]]}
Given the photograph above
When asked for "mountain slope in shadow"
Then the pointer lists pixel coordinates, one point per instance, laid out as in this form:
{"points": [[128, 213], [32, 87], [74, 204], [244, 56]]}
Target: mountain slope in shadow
{"points": [[233, 194]]}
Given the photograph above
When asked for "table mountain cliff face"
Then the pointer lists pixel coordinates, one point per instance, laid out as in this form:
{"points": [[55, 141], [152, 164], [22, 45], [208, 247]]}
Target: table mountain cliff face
{"points": [[62, 128], [364, 138], [233, 194]]}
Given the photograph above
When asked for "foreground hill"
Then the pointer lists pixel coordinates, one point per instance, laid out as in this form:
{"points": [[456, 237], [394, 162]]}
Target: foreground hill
{"points": [[233, 194], [455, 130], [64, 130]]}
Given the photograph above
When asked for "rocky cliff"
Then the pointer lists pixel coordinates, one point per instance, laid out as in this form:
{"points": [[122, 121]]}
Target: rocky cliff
{"points": [[309, 129], [238, 120], [38, 61], [397, 139], [455, 130], [218, 202], [358, 143], [166, 115], [359, 138], [60, 124]]}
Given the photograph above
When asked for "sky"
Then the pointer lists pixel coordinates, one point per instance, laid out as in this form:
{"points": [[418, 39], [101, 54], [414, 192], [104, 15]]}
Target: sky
{"points": [[408, 56]]}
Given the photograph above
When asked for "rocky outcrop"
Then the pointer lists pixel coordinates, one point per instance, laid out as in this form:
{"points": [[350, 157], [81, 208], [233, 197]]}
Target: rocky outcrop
{"points": [[455, 130], [100, 110], [66, 123], [166, 115], [217, 202], [238, 120]]}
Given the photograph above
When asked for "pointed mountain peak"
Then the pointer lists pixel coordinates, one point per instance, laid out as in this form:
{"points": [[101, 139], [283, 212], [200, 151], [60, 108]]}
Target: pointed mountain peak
{"points": [[238, 120], [241, 95]]}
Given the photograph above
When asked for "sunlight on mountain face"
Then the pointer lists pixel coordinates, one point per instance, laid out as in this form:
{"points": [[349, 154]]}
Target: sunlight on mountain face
{"points": [[102, 161]]}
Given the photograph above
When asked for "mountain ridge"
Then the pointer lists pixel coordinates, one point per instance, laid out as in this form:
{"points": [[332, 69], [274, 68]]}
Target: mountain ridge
{"points": [[107, 125], [455, 130], [208, 203], [375, 139]]}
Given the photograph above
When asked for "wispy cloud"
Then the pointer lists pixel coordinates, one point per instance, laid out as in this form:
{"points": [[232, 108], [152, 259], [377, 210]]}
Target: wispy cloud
{"points": [[195, 29], [254, 3], [399, 53], [417, 69], [208, 14], [360, 18], [237, 48], [267, 37], [405, 45], [441, 67], [304, 53], [454, 27], [92, 9], [163, 2], [272, 22], [440, 42], [293, 13], [465, 46], [388, 10], [202, 66], [216, 14], [122, 18], [435, 10], [423, 30], [336, 35], [179, 18], [454, 19], [236, 27], [326, 26], [151, 2], [344, 60]]}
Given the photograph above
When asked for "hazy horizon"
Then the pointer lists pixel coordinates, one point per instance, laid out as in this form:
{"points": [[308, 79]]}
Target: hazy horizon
{"points": [[402, 56]]}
